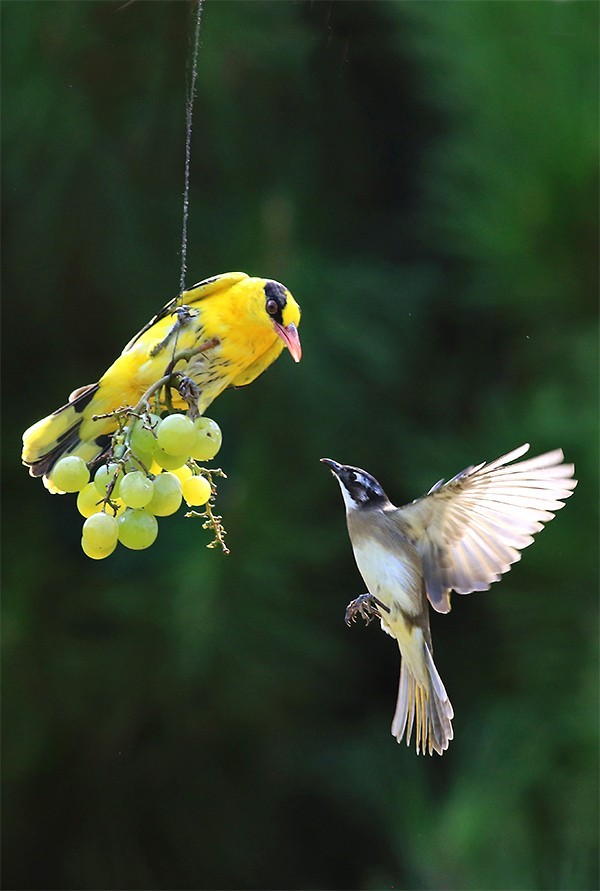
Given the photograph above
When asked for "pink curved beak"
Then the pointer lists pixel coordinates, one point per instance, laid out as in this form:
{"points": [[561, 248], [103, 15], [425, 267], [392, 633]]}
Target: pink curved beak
{"points": [[290, 337]]}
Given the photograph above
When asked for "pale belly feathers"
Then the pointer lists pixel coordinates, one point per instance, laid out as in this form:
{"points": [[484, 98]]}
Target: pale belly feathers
{"points": [[389, 577]]}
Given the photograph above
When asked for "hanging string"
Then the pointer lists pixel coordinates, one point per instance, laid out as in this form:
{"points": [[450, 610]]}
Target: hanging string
{"points": [[189, 109], [182, 316]]}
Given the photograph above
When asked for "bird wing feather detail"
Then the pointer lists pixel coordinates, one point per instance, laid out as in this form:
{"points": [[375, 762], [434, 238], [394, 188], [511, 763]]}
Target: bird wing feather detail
{"points": [[470, 530]]}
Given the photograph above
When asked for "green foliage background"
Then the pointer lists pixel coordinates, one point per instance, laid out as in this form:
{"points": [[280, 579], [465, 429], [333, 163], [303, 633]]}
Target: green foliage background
{"points": [[423, 176]]}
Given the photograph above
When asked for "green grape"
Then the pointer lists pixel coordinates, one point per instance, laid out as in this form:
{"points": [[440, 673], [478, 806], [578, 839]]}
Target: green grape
{"points": [[100, 530], [167, 495], [70, 474], [137, 458], [143, 440], [104, 476], [136, 489], [208, 439], [169, 462], [176, 435], [89, 501], [196, 490], [94, 551], [183, 473], [137, 529]]}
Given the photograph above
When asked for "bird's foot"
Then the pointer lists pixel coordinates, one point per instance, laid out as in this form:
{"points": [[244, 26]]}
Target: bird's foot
{"points": [[366, 606], [189, 389]]}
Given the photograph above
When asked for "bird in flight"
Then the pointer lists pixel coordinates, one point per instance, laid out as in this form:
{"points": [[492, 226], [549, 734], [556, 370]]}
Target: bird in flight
{"points": [[461, 536]]}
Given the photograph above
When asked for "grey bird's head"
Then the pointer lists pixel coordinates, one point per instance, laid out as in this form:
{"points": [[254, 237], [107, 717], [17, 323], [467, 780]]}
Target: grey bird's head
{"points": [[360, 490]]}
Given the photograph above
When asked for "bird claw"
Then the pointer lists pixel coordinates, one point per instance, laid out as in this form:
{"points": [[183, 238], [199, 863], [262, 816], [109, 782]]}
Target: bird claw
{"points": [[189, 389], [367, 607]]}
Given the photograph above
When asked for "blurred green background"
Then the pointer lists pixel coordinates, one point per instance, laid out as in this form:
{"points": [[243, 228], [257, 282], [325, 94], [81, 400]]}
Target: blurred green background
{"points": [[423, 176]]}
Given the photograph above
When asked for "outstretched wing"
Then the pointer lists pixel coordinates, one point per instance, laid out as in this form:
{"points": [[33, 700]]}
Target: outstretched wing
{"points": [[191, 295], [470, 530]]}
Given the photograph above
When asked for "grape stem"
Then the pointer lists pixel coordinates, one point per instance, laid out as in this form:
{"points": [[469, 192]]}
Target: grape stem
{"points": [[212, 520]]}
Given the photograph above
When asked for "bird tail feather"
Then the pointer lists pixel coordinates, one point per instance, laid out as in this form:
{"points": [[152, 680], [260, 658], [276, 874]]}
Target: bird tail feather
{"points": [[60, 434], [424, 706]]}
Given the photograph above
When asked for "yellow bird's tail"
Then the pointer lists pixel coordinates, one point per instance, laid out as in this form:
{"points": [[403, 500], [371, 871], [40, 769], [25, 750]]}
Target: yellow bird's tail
{"points": [[60, 434], [426, 705]]}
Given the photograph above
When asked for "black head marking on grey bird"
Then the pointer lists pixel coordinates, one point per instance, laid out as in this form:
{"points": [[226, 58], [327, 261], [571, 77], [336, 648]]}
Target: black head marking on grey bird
{"points": [[362, 487]]}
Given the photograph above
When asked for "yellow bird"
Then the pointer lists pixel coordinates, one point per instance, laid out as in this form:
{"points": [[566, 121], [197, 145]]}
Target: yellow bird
{"points": [[461, 536], [251, 320]]}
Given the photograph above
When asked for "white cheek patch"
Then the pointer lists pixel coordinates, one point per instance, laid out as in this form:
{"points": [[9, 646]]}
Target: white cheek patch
{"points": [[349, 501]]}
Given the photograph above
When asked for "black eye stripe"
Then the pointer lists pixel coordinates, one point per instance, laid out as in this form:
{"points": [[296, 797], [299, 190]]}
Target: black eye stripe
{"points": [[276, 299], [275, 291]]}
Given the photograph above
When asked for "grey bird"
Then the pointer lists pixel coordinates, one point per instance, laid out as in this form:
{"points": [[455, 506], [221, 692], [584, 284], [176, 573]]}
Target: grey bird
{"points": [[461, 536]]}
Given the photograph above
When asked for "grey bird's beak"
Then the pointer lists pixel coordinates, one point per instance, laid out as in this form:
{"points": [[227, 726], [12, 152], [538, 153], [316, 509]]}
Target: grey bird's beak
{"points": [[333, 465]]}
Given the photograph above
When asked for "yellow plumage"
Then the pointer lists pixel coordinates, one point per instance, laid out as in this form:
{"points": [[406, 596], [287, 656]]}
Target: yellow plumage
{"points": [[252, 320]]}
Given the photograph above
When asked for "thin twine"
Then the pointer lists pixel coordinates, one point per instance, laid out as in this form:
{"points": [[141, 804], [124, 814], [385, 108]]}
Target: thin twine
{"points": [[189, 109]]}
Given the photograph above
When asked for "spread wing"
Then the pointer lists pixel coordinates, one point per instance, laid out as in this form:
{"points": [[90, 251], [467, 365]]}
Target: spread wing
{"points": [[192, 295], [470, 530]]}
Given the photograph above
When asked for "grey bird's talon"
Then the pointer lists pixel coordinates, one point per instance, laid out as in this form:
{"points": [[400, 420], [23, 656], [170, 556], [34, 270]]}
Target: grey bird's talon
{"points": [[366, 606]]}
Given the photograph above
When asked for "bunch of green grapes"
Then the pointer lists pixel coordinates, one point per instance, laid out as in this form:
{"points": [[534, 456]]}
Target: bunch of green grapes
{"points": [[151, 467]]}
